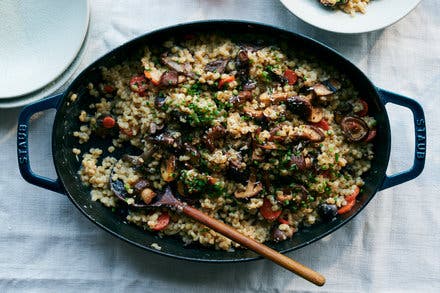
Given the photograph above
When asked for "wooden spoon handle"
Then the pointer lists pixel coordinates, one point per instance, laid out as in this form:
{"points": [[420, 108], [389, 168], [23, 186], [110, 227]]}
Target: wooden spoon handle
{"points": [[273, 255]]}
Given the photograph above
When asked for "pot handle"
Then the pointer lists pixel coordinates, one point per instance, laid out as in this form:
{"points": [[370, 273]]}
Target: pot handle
{"points": [[23, 149], [420, 139]]}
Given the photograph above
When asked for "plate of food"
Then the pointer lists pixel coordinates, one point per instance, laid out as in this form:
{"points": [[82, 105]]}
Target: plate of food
{"points": [[350, 16], [281, 138]]}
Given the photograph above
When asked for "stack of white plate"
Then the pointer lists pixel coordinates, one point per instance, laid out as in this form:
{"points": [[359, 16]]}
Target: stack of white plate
{"points": [[40, 47]]}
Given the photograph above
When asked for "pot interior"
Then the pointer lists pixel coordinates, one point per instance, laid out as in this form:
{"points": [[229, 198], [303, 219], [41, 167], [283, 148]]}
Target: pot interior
{"points": [[67, 164]]}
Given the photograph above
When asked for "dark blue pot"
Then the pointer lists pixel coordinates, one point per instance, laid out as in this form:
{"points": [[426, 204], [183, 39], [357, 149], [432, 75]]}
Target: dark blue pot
{"points": [[66, 121]]}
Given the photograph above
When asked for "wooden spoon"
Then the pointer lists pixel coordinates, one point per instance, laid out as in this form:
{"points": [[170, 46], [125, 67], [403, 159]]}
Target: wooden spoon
{"points": [[167, 199]]}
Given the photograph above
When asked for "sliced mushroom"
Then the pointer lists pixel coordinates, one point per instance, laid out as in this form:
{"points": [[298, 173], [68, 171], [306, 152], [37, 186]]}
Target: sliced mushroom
{"points": [[168, 168], [333, 84], [277, 77], [242, 56], [242, 96], [270, 146], [249, 85], [315, 115], [310, 133], [191, 151], [136, 161], [300, 106], [355, 129], [242, 65], [164, 139], [252, 188], [321, 90], [217, 66], [327, 87], [185, 69], [169, 78], [253, 112], [267, 99], [281, 235], [274, 133], [301, 162], [212, 135], [118, 188]]}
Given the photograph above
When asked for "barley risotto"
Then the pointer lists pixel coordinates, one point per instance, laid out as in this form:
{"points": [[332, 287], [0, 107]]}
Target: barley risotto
{"points": [[263, 138], [348, 6]]}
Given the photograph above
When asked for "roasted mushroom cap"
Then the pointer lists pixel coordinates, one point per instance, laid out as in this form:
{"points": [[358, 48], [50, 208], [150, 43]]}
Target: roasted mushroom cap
{"points": [[301, 162], [169, 78], [327, 87], [355, 129], [217, 66], [185, 68], [300, 106], [310, 133]]}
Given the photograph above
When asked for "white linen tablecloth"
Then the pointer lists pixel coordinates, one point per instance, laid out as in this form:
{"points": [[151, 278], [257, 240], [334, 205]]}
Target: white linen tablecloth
{"points": [[47, 245]]}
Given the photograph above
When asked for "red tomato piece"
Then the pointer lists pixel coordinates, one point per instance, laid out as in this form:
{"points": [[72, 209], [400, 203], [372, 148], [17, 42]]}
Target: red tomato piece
{"points": [[138, 84], [291, 76], [282, 220], [162, 222], [267, 212], [352, 197], [347, 207], [222, 81], [108, 89], [108, 122], [323, 124], [371, 135], [364, 110]]}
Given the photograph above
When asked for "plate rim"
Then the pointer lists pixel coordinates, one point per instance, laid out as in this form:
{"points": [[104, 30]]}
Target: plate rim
{"points": [[63, 74], [347, 32]]}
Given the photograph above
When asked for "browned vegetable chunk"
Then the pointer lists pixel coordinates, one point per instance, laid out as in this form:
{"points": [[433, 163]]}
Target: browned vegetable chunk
{"points": [[217, 66], [355, 129], [252, 188], [169, 78], [168, 169], [311, 133]]}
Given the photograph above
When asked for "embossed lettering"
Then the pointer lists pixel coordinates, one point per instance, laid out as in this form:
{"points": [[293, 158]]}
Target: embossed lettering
{"points": [[420, 122], [421, 146], [20, 151], [420, 155], [22, 160], [21, 135], [22, 127]]}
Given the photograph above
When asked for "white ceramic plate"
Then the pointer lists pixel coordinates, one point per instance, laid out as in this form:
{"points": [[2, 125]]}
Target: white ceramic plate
{"points": [[39, 41], [380, 14]]}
